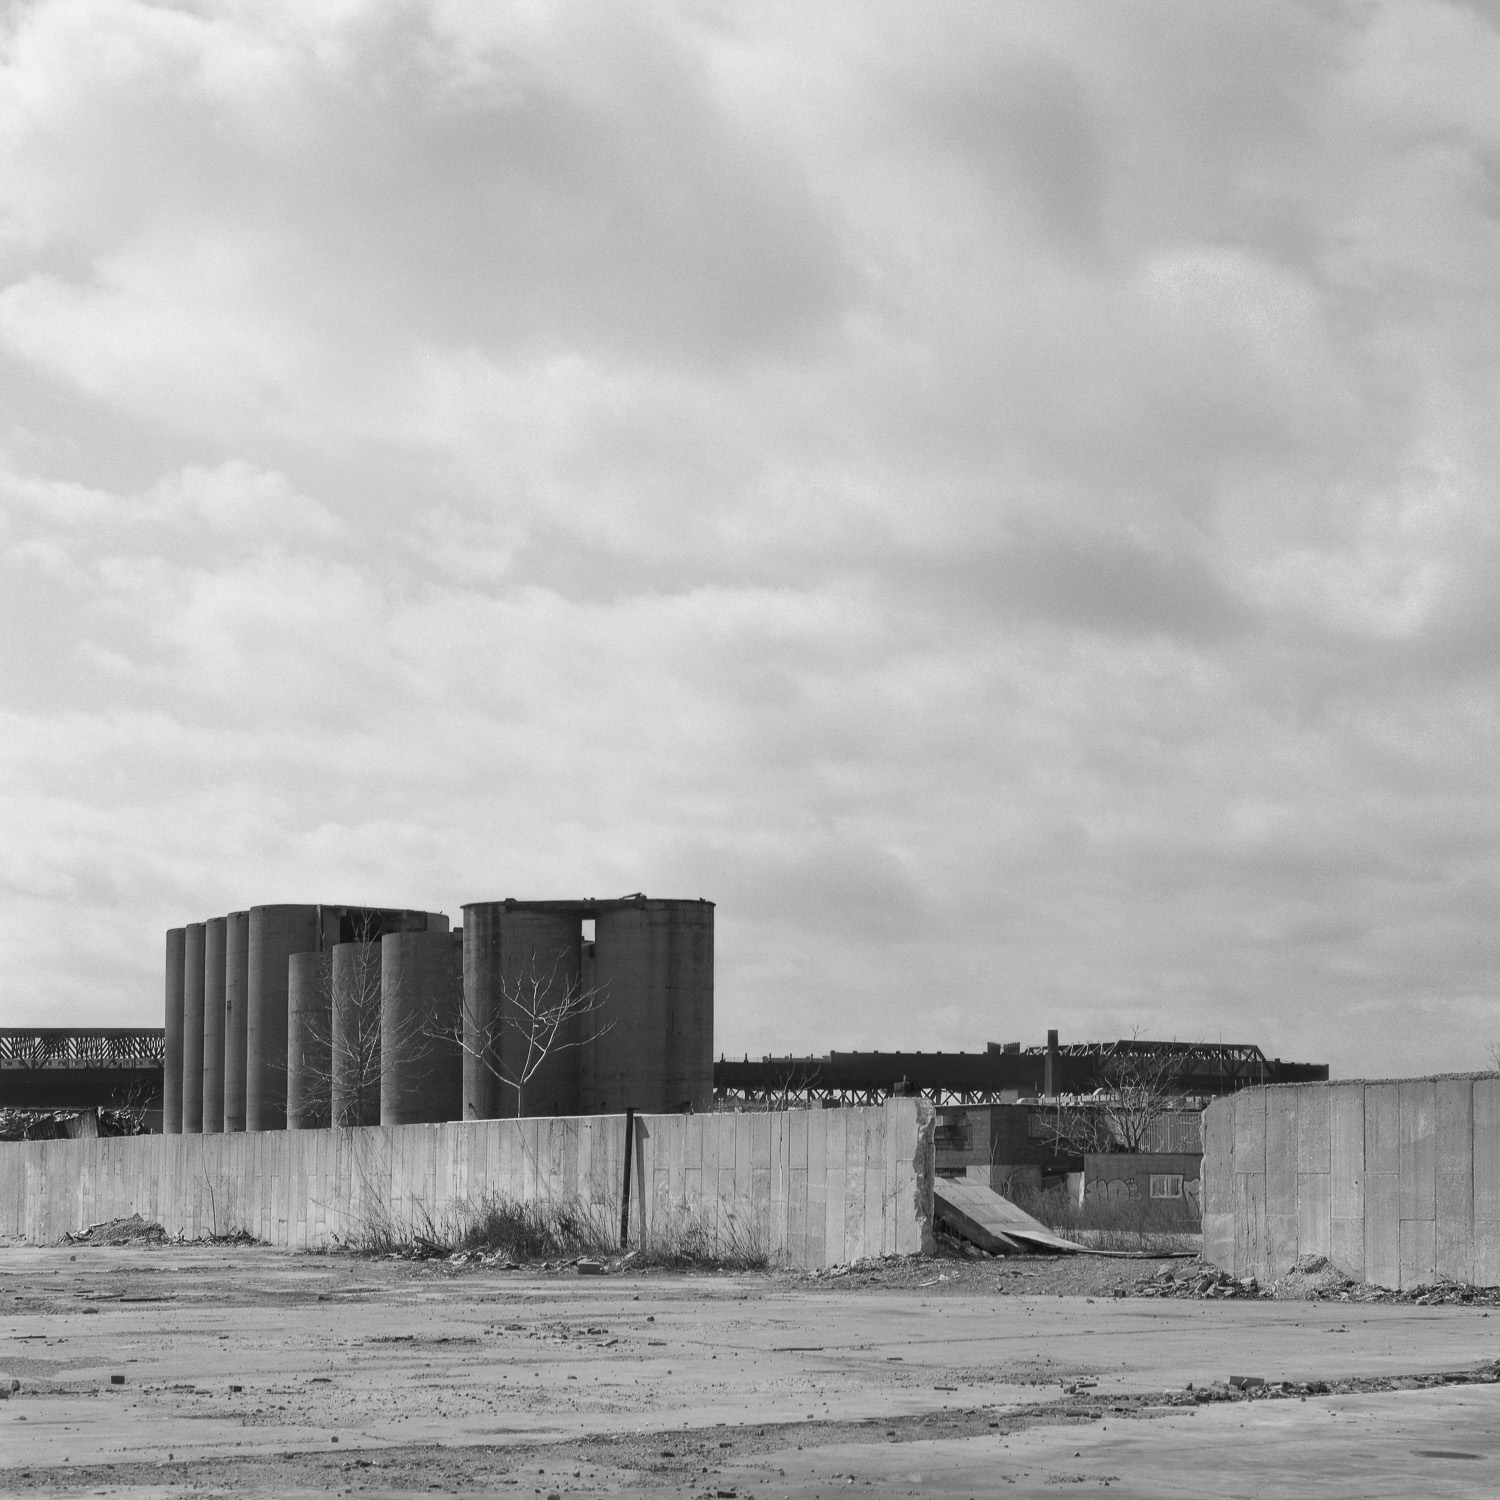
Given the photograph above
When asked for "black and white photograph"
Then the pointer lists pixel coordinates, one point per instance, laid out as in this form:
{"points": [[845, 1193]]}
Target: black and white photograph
{"points": [[805, 687]]}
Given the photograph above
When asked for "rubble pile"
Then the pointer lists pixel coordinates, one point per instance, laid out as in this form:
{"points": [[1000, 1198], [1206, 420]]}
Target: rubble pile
{"points": [[1256, 1388], [1197, 1280], [137, 1231], [1312, 1279], [132, 1231]]}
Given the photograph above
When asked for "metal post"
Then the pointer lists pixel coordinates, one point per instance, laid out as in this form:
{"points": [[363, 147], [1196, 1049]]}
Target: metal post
{"points": [[625, 1193]]}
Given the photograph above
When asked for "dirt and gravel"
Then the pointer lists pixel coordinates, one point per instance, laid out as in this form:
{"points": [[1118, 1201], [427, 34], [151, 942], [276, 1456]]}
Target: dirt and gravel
{"points": [[163, 1369]]}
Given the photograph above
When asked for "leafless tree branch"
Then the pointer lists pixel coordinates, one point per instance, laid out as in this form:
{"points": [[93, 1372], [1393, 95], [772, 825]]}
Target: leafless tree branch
{"points": [[545, 1009]]}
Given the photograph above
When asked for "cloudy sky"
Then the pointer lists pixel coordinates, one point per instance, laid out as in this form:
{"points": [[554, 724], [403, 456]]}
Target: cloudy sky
{"points": [[1000, 498]]}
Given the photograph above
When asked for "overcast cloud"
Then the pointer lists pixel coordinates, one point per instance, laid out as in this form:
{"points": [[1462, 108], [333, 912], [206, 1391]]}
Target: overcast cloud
{"points": [[1001, 498]]}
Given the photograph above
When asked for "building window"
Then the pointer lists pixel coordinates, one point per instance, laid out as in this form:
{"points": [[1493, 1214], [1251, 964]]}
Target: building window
{"points": [[1166, 1185]]}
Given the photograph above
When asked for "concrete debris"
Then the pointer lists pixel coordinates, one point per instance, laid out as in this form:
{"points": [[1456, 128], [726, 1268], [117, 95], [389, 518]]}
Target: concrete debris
{"points": [[1312, 1279], [132, 1231], [871, 1265]]}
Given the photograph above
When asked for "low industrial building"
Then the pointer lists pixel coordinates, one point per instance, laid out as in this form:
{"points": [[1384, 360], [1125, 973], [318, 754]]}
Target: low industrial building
{"points": [[1170, 1183], [1023, 1149]]}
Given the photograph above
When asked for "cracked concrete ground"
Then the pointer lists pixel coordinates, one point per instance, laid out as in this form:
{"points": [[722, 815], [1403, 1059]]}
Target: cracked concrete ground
{"points": [[243, 1370]]}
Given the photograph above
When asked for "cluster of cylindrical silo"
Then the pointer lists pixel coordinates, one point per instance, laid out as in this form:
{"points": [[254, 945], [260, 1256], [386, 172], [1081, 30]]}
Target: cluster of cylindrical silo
{"points": [[313, 1016], [234, 1058], [641, 1034]]}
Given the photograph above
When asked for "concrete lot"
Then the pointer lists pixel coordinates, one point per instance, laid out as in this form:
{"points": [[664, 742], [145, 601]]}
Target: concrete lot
{"points": [[250, 1371]]}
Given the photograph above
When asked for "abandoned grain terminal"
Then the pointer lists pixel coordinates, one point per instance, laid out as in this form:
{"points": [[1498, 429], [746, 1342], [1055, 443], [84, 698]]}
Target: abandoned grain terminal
{"points": [[305, 1016]]}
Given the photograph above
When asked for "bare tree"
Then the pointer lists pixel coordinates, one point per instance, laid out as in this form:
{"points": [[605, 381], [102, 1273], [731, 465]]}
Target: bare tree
{"points": [[788, 1088], [1139, 1088], [1136, 1088], [340, 1064], [354, 1031], [540, 1011], [1078, 1129]]}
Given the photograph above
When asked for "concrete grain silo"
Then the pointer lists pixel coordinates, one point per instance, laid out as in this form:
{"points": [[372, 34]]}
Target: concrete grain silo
{"points": [[276, 932], [690, 971], [355, 1063], [192, 1029], [309, 1022], [421, 1007], [522, 960], [171, 1107], [654, 961], [267, 1002], [236, 1014], [213, 1025]]}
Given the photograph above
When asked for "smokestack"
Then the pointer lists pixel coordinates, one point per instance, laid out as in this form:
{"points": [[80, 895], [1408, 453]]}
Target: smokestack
{"points": [[1049, 1084]]}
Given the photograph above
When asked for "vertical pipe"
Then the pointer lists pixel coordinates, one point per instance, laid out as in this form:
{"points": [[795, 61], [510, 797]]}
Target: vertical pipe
{"points": [[309, 1050], [192, 1029], [276, 932], [171, 1103], [355, 1062], [588, 1060], [625, 1188], [213, 1024], [236, 1013], [421, 1018]]}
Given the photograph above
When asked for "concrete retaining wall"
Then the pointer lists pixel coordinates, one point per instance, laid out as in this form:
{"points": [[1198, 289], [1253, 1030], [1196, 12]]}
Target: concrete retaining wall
{"points": [[1397, 1183], [812, 1187]]}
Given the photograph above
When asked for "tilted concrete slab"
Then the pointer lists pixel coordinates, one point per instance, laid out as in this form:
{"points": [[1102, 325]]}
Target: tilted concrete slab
{"points": [[980, 1214]]}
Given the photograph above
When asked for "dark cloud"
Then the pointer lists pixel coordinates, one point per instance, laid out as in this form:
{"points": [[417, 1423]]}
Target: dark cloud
{"points": [[1096, 583]]}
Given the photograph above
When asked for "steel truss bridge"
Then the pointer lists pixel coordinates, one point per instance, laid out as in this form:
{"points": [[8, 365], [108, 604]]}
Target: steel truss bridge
{"points": [[997, 1075], [61, 1068]]}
